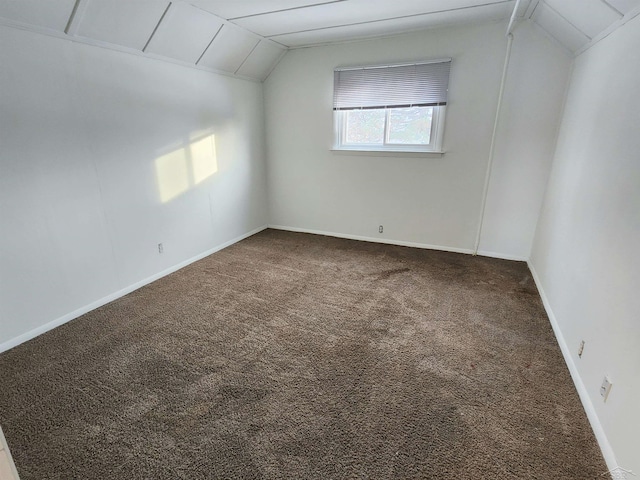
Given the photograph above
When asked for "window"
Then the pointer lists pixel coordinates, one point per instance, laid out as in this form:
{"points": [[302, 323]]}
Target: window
{"points": [[391, 108]]}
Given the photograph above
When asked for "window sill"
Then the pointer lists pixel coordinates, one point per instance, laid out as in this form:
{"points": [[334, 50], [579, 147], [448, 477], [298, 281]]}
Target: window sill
{"points": [[387, 153]]}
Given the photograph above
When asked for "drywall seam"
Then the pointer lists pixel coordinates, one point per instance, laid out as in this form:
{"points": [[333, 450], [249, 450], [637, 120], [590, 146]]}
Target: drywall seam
{"points": [[120, 293], [587, 404]]}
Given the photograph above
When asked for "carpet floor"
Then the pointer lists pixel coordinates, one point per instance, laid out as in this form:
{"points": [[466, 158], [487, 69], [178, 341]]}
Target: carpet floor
{"points": [[295, 356]]}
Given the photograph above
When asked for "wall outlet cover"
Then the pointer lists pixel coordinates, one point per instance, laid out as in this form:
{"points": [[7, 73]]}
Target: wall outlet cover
{"points": [[605, 388]]}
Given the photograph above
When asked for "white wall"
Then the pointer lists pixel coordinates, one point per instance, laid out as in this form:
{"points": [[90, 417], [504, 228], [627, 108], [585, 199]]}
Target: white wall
{"points": [[585, 253], [94, 173], [527, 130], [425, 201]]}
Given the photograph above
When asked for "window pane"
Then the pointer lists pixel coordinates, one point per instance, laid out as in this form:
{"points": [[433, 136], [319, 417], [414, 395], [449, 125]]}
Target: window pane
{"points": [[410, 126], [365, 126]]}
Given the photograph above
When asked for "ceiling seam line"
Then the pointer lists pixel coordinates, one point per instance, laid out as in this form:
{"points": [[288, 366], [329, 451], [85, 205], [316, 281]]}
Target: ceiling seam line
{"points": [[287, 47], [361, 38], [567, 20], [144, 49], [286, 9], [501, 2], [60, 35], [247, 57], [275, 65], [609, 30], [209, 44], [554, 39], [76, 16], [535, 7], [71, 16], [226, 21], [613, 8]]}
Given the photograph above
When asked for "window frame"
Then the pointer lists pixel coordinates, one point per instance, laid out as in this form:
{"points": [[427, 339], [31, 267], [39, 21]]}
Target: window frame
{"points": [[436, 134]]}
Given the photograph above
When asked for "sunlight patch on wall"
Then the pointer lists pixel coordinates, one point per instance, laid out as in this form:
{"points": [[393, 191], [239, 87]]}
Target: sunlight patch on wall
{"points": [[203, 158], [173, 174], [185, 167]]}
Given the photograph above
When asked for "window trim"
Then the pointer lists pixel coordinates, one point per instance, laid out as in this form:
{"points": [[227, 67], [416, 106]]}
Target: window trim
{"points": [[437, 130], [386, 153]]}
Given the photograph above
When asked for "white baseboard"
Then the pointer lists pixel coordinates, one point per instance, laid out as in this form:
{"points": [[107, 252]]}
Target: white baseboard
{"points": [[587, 404], [14, 342], [482, 253], [402, 243], [503, 256], [6, 461]]}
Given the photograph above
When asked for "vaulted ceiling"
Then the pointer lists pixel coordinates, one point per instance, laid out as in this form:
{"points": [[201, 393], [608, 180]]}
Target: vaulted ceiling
{"points": [[576, 24], [246, 38]]}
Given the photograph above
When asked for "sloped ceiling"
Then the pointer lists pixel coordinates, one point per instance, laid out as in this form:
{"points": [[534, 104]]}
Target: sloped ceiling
{"points": [[246, 38], [576, 24]]}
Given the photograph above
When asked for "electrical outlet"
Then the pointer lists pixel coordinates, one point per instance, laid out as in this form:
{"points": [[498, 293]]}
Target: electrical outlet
{"points": [[380, 229], [605, 388], [160, 248], [581, 349]]}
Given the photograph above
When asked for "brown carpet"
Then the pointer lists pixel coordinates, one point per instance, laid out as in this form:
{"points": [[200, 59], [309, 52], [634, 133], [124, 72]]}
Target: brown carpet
{"points": [[294, 356]]}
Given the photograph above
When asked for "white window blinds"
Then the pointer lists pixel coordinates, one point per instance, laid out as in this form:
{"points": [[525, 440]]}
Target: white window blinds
{"points": [[395, 86]]}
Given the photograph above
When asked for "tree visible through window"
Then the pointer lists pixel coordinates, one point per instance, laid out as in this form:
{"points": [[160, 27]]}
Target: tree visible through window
{"points": [[365, 127], [410, 126], [394, 126]]}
